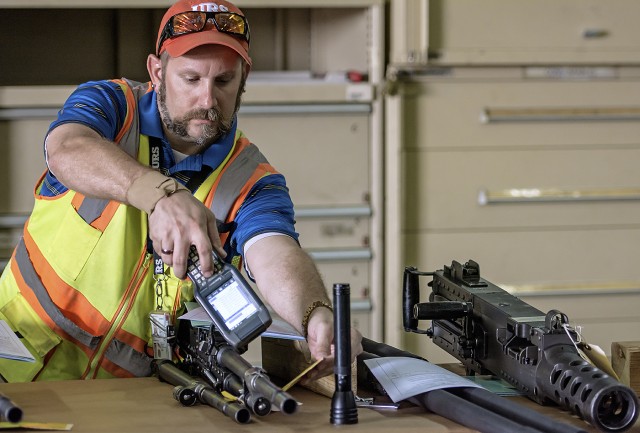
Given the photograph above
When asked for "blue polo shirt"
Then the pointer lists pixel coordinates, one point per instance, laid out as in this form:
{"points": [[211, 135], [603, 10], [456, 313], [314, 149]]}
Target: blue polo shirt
{"points": [[102, 106]]}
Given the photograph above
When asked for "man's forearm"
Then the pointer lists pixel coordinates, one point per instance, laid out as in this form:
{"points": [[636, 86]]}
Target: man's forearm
{"points": [[286, 276], [85, 162]]}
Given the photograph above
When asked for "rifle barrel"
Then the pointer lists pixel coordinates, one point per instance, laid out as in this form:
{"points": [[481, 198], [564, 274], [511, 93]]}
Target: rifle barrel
{"points": [[256, 380], [9, 410], [468, 414], [168, 372]]}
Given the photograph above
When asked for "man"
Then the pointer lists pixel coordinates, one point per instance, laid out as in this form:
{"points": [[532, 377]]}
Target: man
{"points": [[137, 173]]}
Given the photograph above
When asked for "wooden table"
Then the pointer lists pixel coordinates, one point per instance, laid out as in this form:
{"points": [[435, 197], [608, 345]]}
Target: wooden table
{"points": [[147, 405]]}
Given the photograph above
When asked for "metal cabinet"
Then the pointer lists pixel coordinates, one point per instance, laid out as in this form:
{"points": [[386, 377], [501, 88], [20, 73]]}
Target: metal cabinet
{"points": [[517, 148]]}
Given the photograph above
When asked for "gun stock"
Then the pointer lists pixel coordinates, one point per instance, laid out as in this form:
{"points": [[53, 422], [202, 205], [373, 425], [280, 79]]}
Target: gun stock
{"points": [[493, 332]]}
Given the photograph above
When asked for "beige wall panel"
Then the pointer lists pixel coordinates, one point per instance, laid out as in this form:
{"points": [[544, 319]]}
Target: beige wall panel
{"points": [[587, 256], [22, 162], [325, 157], [443, 191], [543, 30], [448, 113], [332, 31]]}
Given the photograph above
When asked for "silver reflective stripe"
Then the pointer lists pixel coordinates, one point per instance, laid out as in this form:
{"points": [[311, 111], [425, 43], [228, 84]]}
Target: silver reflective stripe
{"points": [[31, 278], [234, 178], [131, 139], [128, 358], [92, 208]]}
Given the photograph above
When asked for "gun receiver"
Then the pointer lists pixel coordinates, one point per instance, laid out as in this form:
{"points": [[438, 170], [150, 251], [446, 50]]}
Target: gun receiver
{"points": [[493, 332]]}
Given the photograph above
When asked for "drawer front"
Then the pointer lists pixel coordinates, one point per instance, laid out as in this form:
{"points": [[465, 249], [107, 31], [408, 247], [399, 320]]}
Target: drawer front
{"points": [[512, 113], [22, 163], [354, 273], [569, 188], [357, 275], [571, 257], [324, 156], [361, 320], [333, 232], [506, 31]]}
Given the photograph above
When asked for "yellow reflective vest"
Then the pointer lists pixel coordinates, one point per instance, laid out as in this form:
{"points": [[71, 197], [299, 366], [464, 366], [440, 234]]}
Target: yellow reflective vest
{"points": [[79, 287]]}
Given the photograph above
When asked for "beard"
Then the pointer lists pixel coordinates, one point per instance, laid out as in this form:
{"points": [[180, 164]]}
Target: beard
{"points": [[209, 133]]}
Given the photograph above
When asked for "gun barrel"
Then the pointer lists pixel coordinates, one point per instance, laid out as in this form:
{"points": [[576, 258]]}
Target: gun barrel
{"points": [[468, 414], [168, 372], [570, 381], [256, 381], [9, 410], [514, 411]]}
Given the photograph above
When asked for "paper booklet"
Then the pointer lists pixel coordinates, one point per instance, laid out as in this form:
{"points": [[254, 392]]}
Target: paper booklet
{"points": [[278, 329], [10, 345], [403, 378]]}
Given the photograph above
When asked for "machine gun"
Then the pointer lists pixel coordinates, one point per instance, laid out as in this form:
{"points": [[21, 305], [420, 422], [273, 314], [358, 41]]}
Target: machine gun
{"points": [[212, 368], [493, 332]]}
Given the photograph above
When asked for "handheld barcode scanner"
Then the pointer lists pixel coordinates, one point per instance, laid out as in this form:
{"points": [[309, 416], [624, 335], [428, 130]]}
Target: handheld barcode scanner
{"points": [[235, 309]]}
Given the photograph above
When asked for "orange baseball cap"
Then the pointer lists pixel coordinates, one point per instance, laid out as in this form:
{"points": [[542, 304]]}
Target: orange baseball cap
{"points": [[179, 45]]}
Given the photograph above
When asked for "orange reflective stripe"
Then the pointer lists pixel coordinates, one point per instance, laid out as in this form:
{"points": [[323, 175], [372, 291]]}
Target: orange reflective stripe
{"points": [[104, 219], [131, 109], [239, 147], [75, 306], [31, 298], [101, 211], [132, 340], [114, 370], [262, 171], [77, 200]]}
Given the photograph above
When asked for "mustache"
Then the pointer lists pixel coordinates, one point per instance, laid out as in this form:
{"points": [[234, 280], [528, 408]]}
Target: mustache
{"points": [[212, 114]]}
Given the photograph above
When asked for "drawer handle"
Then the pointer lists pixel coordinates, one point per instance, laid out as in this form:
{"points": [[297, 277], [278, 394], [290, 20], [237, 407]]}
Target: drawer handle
{"points": [[576, 114], [595, 33], [341, 255], [333, 212], [604, 288], [540, 195], [12, 221]]}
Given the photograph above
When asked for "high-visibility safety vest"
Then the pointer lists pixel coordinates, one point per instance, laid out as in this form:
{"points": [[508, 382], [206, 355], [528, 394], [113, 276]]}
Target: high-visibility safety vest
{"points": [[80, 284]]}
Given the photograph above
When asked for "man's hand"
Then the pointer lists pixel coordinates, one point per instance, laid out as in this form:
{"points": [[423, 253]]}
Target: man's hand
{"points": [[179, 221], [320, 341]]}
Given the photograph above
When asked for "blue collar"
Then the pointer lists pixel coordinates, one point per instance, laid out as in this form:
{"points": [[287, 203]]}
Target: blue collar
{"points": [[151, 125]]}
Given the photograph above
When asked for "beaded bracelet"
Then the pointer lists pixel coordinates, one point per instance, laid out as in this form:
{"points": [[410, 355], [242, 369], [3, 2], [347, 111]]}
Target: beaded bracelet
{"points": [[307, 314]]}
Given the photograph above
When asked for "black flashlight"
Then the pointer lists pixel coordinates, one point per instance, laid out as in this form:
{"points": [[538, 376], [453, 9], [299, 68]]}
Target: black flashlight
{"points": [[343, 403]]}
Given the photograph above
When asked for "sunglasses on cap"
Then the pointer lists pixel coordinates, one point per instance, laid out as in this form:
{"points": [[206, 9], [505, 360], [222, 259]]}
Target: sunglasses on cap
{"points": [[195, 21]]}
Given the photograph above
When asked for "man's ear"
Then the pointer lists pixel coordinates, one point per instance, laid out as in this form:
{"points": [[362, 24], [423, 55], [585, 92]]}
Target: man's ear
{"points": [[154, 67]]}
